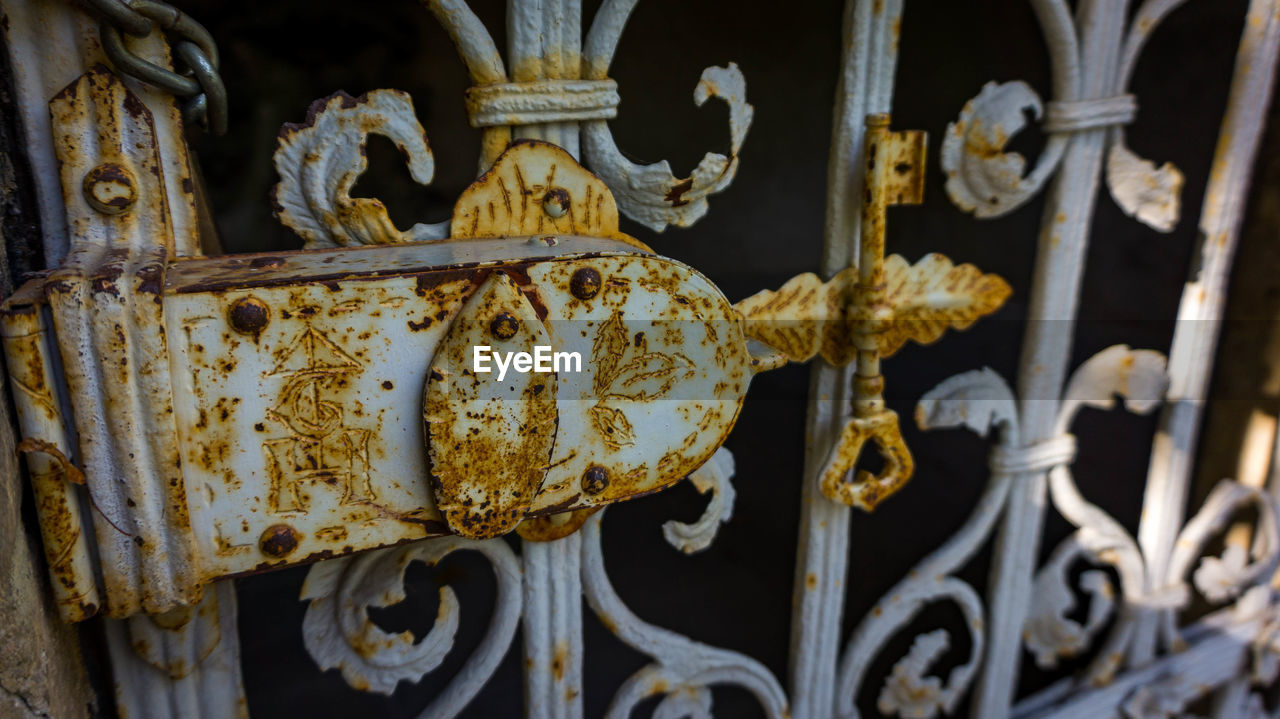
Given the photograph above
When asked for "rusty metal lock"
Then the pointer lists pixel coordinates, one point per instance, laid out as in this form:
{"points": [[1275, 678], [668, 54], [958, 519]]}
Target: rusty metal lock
{"points": [[246, 412], [234, 414]]}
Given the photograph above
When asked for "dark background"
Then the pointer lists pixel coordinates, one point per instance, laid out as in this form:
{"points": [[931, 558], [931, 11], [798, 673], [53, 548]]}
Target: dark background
{"points": [[767, 227]]}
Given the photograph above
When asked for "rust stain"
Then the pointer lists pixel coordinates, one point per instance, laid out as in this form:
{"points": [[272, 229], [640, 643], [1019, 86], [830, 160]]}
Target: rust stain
{"points": [[279, 540], [512, 198], [488, 458], [558, 660], [249, 316], [675, 196]]}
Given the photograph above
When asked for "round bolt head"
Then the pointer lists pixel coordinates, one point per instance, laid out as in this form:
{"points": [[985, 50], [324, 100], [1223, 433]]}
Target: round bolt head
{"points": [[585, 283], [278, 540], [109, 189], [595, 480], [249, 315], [504, 326], [556, 202]]}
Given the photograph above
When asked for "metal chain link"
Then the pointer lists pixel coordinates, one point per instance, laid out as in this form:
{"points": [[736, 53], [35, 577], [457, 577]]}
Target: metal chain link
{"points": [[201, 86]]}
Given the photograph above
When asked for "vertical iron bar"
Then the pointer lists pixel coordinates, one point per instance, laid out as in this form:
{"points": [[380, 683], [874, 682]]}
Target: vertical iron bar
{"points": [[1060, 259], [865, 86]]}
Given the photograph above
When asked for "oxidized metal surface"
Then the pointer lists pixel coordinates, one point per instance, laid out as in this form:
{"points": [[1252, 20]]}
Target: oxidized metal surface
{"points": [[861, 316], [313, 416], [47, 445], [807, 317], [301, 380], [867, 312], [490, 436], [106, 309], [665, 369], [536, 188]]}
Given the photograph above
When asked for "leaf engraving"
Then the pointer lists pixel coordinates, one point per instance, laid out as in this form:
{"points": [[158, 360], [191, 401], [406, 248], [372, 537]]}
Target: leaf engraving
{"points": [[803, 317], [627, 371], [612, 425], [607, 350]]}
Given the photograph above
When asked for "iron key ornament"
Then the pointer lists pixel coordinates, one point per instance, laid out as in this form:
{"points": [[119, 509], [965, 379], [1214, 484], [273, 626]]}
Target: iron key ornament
{"points": [[867, 312]]}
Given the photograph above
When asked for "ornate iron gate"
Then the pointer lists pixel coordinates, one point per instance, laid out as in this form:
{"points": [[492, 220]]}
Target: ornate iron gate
{"points": [[188, 420]]}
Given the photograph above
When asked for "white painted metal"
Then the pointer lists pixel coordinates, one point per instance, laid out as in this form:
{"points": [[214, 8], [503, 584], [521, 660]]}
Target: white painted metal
{"points": [[1034, 446], [553, 649], [1203, 299], [557, 88], [338, 633], [865, 87], [183, 664], [191, 664], [683, 670]]}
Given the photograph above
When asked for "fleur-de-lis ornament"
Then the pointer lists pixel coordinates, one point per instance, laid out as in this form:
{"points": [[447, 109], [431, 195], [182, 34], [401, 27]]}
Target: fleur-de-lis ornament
{"points": [[868, 311]]}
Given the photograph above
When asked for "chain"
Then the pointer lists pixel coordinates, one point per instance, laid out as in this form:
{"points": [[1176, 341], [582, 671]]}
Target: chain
{"points": [[205, 97]]}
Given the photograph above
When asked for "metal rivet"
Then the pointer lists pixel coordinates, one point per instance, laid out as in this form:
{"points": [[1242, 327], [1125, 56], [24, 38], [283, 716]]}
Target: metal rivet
{"points": [[556, 202], [585, 283], [249, 315], [279, 540], [109, 189], [595, 479], [504, 326]]}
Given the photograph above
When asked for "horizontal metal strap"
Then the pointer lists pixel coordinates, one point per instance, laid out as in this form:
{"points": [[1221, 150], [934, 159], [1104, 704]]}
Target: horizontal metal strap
{"points": [[1081, 115], [540, 101], [1036, 457], [1173, 596]]}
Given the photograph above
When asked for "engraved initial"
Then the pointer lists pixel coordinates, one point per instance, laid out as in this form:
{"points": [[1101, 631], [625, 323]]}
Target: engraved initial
{"points": [[319, 446]]}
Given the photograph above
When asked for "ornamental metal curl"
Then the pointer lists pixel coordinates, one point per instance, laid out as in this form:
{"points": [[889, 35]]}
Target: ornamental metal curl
{"points": [[320, 159], [338, 632], [683, 670], [982, 402], [984, 179]]}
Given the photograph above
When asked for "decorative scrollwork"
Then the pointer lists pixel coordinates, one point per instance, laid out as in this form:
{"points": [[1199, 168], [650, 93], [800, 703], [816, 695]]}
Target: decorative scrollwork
{"points": [[714, 477], [651, 194], [1238, 570], [320, 160], [338, 632], [908, 692], [984, 179], [980, 401], [682, 670], [977, 399], [1049, 631], [981, 177], [1139, 377]]}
